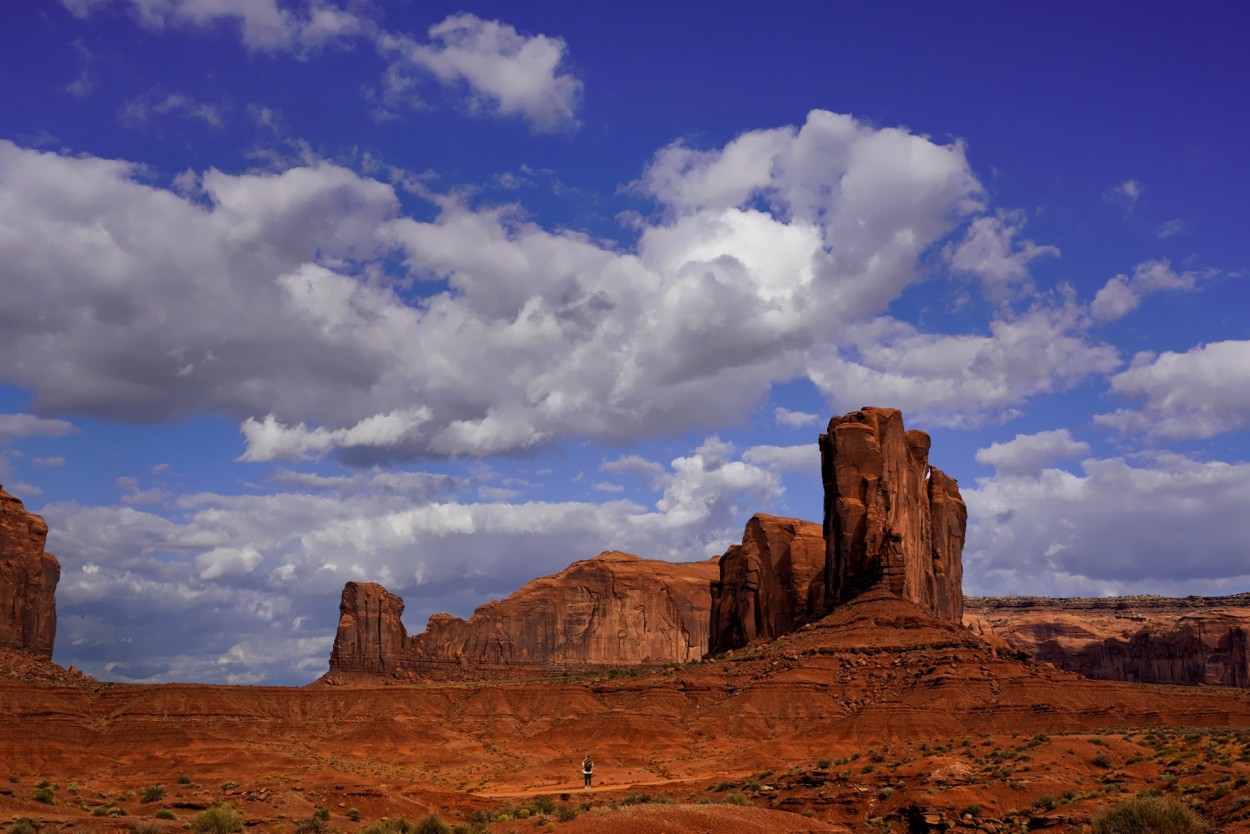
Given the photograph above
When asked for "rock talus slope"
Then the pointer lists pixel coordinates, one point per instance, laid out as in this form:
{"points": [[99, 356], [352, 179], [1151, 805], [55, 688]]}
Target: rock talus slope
{"points": [[614, 609], [1140, 639], [890, 518], [28, 578], [770, 584]]}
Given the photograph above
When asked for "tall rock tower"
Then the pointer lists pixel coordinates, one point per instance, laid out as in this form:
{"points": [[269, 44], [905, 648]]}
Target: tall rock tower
{"points": [[890, 518], [28, 578]]}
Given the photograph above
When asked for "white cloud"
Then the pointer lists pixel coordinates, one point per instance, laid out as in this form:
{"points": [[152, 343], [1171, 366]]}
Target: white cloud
{"points": [[963, 380], [1169, 228], [804, 457], [18, 426], [505, 72], [990, 251], [1029, 453], [794, 419], [1125, 195], [137, 112], [270, 440], [1118, 527], [1200, 393], [227, 561], [1123, 294]]}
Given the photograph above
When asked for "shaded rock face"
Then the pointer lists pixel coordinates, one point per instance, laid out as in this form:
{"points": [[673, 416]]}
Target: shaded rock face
{"points": [[613, 610], [770, 584], [28, 578], [1138, 639], [890, 518]]}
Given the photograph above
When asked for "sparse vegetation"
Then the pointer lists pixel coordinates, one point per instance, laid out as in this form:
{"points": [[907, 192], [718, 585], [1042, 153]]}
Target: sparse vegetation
{"points": [[145, 828], [736, 799], [152, 793], [20, 826], [353, 814], [433, 824], [184, 780], [165, 814], [1147, 816], [219, 819]]}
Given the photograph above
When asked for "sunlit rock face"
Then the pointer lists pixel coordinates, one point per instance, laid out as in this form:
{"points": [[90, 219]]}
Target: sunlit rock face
{"points": [[770, 584], [28, 578], [613, 610], [891, 520]]}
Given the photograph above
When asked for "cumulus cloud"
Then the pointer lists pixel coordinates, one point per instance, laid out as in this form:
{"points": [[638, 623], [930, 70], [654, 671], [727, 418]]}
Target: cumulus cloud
{"points": [[964, 379], [990, 252], [1029, 453], [18, 426], [1119, 526], [138, 112], [794, 419], [1123, 293], [1125, 194], [276, 309], [504, 71], [1200, 393]]}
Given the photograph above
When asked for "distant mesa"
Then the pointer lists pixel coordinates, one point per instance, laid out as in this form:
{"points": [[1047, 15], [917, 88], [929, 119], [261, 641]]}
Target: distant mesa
{"points": [[28, 577], [613, 610], [1137, 639]]}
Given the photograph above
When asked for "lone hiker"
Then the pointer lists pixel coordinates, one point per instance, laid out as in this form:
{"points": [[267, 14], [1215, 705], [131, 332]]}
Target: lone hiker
{"points": [[588, 770]]}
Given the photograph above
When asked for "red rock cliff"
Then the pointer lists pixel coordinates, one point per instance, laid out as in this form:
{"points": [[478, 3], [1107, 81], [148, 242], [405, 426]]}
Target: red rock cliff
{"points": [[1140, 639], [770, 584], [28, 578], [890, 518], [613, 610]]}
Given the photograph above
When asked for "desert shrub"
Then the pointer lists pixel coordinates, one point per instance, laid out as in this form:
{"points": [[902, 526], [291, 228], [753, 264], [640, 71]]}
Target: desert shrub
{"points": [[219, 819], [824, 763], [312, 825], [44, 794], [1147, 816], [886, 792], [1046, 803], [322, 813], [565, 812], [145, 828], [353, 814], [388, 826], [152, 793], [184, 780], [20, 826], [972, 810], [229, 786], [165, 814], [543, 804], [737, 799], [432, 824], [1102, 760]]}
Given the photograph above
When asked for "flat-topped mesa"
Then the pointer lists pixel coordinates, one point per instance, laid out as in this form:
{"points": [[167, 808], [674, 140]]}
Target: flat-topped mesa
{"points": [[28, 578], [890, 518], [770, 584], [613, 610]]}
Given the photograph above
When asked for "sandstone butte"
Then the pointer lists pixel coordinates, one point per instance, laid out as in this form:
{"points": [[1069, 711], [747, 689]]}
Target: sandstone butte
{"points": [[28, 577], [1146, 639], [613, 610]]}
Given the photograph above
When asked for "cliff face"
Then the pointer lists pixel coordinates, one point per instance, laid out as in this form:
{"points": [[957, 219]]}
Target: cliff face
{"points": [[28, 578], [770, 584], [1143, 639], [890, 518], [613, 610]]}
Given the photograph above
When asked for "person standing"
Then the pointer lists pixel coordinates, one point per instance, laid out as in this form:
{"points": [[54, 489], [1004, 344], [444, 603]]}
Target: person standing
{"points": [[588, 771]]}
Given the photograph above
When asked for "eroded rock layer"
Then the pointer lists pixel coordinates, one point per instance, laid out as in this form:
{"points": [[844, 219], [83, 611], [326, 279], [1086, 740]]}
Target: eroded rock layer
{"points": [[613, 610], [1140, 639], [891, 520], [770, 584], [28, 578]]}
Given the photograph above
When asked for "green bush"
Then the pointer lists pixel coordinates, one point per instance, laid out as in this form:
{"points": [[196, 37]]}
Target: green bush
{"points": [[44, 794], [20, 826], [1103, 760], [219, 819], [566, 812], [312, 825], [184, 780], [431, 825], [972, 810], [152, 793], [322, 813], [1147, 816], [353, 814], [145, 828], [543, 804], [165, 814], [737, 799]]}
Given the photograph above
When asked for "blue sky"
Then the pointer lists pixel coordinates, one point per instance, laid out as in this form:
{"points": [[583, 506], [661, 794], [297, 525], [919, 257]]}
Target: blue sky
{"points": [[449, 296]]}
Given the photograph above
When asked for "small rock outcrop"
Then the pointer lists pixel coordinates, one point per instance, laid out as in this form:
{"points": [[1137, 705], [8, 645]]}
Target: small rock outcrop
{"points": [[1138, 639], [613, 610], [891, 520], [28, 578], [770, 584]]}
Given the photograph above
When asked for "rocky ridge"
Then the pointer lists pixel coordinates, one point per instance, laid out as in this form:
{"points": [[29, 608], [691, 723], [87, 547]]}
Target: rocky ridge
{"points": [[613, 610], [1140, 639], [28, 577]]}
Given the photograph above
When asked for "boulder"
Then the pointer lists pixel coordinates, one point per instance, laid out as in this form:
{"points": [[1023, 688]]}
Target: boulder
{"points": [[770, 584], [28, 578], [891, 520]]}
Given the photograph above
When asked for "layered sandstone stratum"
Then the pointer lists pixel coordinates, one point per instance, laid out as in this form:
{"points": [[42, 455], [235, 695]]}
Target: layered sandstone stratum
{"points": [[1140, 639], [613, 610], [28, 577]]}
